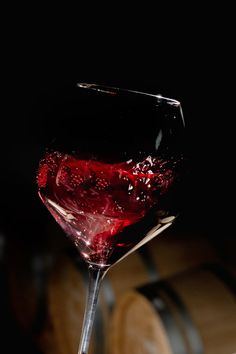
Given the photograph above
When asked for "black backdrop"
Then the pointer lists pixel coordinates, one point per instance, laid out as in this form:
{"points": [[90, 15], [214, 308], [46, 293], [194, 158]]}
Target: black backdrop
{"points": [[186, 71], [184, 64]]}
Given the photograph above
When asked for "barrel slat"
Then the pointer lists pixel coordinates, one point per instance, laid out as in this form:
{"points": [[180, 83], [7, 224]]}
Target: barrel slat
{"points": [[212, 307], [129, 338], [66, 303], [196, 310]]}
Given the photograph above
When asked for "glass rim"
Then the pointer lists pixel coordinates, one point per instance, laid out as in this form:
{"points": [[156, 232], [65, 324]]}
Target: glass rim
{"points": [[113, 90]]}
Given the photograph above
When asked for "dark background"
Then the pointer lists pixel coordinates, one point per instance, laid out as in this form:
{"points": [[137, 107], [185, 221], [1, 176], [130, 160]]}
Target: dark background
{"points": [[187, 59]]}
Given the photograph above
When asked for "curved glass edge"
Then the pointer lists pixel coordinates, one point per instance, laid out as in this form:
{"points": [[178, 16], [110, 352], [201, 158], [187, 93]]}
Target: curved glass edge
{"points": [[114, 90]]}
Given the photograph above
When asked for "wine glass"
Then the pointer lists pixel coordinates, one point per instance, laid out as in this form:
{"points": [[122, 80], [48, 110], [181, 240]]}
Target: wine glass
{"points": [[112, 175]]}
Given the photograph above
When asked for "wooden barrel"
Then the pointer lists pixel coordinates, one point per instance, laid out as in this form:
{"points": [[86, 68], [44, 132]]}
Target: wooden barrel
{"points": [[164, 256], [190, 313], [67, 286], [67, 289]]}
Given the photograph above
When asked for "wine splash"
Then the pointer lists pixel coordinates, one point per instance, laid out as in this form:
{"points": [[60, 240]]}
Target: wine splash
{"points": [[97, 203]]}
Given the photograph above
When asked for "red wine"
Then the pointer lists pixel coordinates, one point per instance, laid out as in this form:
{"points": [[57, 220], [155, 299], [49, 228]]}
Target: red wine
{"points": [[105, 208]]}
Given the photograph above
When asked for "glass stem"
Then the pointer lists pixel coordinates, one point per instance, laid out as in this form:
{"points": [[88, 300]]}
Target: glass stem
{"points": [[95, 277]]}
